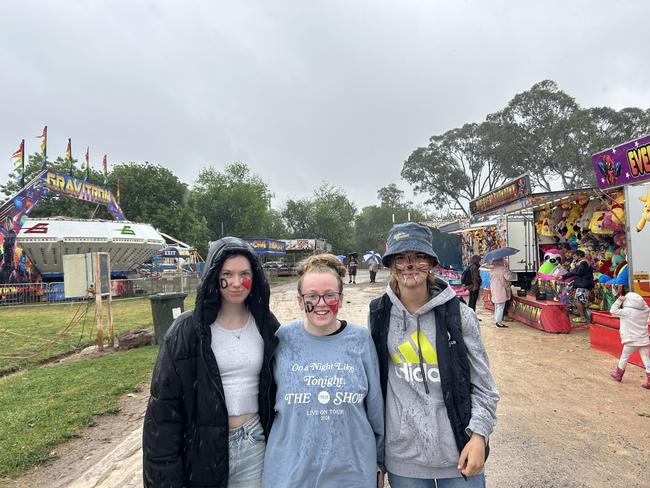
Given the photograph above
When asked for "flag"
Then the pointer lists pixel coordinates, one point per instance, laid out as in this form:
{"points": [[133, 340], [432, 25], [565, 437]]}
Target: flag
{"points": [[105, 170], [68, 155], [118, 190], [87, 163], [19, 161], [43, 138]]}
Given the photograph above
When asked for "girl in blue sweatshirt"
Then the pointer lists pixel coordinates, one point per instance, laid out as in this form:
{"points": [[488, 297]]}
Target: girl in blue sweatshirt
{"points": [[329, 424]]}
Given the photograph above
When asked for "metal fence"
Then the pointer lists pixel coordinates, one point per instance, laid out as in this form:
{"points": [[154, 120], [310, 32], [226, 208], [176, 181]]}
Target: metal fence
{"points": [[31, 293]]}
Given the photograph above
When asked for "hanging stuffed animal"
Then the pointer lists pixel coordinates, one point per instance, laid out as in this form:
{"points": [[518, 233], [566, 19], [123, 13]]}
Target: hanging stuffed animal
{"points": [[645, 212], [573, 229]]}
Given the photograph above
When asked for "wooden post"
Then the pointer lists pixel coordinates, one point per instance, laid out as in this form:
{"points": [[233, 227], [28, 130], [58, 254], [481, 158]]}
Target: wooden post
{"points": [[99, 321], [111, 336]]}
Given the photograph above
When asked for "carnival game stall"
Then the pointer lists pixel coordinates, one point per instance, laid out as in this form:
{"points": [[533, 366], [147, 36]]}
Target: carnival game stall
{"points": [[625, 169]]}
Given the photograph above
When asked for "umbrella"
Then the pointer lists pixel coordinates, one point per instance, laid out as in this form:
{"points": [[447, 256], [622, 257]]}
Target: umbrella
{"points": [[341, 257], [372, 255], [502, 252]]}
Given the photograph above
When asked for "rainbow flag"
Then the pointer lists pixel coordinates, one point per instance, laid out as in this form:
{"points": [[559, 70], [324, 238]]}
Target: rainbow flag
{"points": [[18, 158], [105, 170]]}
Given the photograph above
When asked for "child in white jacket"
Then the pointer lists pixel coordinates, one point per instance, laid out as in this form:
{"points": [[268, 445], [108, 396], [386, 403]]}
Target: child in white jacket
{"points": [[633, 312]]}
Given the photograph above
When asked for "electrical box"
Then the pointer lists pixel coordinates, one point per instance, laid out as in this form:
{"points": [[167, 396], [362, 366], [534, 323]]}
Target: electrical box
{"points": [[80, 270]]}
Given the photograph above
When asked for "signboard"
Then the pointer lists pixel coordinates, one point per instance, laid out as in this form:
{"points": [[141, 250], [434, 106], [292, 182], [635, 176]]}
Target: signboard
{"points": [[511, 191], [624, 164], [267, 247], [637, 210], [307, 245]]}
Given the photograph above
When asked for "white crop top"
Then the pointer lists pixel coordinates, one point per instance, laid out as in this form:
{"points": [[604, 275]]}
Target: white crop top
{"points": [[239, 354]]}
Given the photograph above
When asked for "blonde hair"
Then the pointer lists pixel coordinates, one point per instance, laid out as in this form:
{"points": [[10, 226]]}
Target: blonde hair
{"points": [[394, 280], [321, 263]]}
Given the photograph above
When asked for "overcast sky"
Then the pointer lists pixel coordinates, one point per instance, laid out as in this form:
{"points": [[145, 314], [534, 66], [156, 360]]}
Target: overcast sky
{"points": [[302, 91]]}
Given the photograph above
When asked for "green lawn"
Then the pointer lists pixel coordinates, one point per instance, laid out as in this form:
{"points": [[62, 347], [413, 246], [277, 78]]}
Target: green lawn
{"points": [[41, 407], [24, 330]]}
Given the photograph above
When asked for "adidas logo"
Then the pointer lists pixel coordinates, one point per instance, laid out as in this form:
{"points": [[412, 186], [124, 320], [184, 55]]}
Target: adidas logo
{"points": [[407, 360]]}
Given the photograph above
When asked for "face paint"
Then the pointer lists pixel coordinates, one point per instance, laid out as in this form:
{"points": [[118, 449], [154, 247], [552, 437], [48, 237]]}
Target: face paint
{"points": [[334, 307], [416, 278], [309, 307], [247, 283], [224, 283]]}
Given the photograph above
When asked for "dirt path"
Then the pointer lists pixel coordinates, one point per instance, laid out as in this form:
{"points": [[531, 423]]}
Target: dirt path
{"points": [[563, 423]]}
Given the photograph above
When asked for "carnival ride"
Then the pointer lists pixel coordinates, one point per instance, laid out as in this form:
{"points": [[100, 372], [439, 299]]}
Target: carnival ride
{"points": [[34, 248]]}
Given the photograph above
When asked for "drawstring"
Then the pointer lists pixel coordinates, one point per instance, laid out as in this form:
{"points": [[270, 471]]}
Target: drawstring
{"points": [[424, 375], [403, 320]]}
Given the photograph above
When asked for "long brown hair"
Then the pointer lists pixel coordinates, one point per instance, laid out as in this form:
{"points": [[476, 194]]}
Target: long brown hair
{"points": [[321, 263]]}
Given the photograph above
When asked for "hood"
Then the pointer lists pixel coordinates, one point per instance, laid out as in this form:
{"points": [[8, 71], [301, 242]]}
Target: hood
{"points": [[440, 292], [634, 300], [208, 298]]}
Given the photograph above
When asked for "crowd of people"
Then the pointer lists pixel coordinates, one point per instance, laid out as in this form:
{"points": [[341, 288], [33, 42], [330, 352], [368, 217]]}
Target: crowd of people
{"points": [[238, 400]]}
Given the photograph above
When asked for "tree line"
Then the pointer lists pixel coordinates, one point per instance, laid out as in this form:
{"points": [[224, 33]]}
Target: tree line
{"points": [[231, 201], [542, 132]]}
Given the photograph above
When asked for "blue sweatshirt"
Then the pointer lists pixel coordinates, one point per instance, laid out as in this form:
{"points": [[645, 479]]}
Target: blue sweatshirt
{"points": [[329, 426]]}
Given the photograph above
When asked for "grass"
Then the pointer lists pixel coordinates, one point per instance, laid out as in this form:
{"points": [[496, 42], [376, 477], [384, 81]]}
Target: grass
{"points": [[23, 330], [41, 407]]}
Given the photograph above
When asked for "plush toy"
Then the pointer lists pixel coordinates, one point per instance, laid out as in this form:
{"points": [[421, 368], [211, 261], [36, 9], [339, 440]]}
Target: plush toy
{"points": [[587, 213], [645, 212], [573, 229], [551, 268], [596, 225], [619, 259], [621, 278]]}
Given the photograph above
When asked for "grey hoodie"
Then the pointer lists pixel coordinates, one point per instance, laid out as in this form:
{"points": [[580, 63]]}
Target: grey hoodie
{"points": [[419, 439]]}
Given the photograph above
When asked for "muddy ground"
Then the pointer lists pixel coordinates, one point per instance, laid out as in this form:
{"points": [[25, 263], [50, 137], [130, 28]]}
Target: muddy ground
{"points": [[563, 423]]}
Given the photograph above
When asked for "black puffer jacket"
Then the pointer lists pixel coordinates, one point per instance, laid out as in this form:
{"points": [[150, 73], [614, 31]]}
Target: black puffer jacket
{"points": [[185, 439], [583, 275]]}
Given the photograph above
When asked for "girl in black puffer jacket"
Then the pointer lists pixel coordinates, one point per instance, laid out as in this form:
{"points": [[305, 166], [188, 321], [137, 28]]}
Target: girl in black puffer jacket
{"points": [[212, 391]]}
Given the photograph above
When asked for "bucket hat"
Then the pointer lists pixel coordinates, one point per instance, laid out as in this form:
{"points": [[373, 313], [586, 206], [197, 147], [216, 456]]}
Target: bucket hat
{"points": [[410, 236]]}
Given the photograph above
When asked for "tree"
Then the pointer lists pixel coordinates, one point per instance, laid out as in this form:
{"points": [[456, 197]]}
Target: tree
{"points": [[532, 129], [234, 202], [390, 196], [457, 166], [334, 217], [374, 222], [328, 215], [152, 194]]}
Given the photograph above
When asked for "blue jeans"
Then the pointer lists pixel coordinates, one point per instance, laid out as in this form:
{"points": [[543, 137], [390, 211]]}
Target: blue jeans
{"points": [[477, 481], [246, 445]]}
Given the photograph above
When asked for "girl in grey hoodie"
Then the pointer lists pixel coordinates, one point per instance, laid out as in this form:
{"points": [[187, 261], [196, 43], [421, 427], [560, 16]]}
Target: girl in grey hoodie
{"points": [[440, 395]]}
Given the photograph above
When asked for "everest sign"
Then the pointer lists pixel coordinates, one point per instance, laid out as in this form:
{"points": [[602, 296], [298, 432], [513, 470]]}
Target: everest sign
{"points": [[623, 165]]}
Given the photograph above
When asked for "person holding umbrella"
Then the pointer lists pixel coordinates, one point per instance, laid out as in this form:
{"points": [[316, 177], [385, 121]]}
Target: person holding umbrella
{"points": [[500, 276]]}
